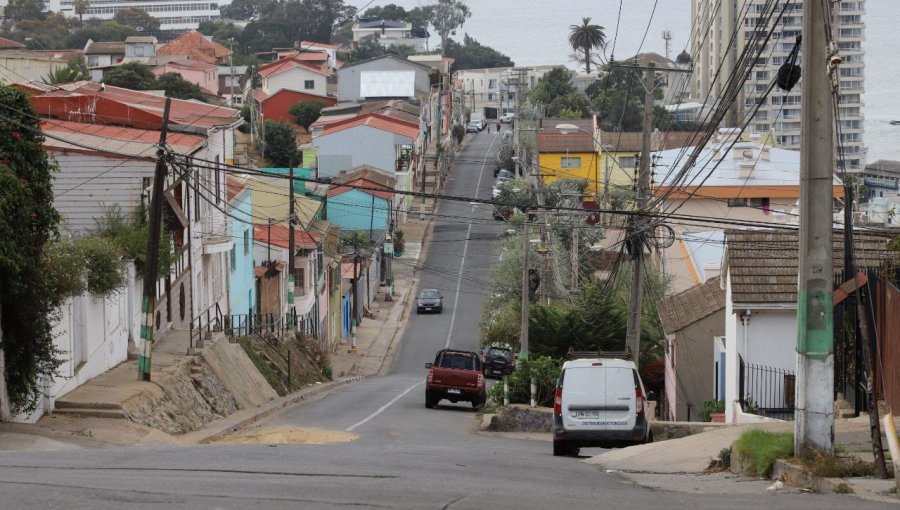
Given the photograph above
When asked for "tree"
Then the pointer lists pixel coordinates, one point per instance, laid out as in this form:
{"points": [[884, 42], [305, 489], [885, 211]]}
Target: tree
{"points": [[279, 24], [387, 12], [420, 17], [369, 48], [572, 105], [25, 9], [556, 83], [28, 305], [245, 9], [473, 55], [281, 143], [307, 112], [133, 75], [584, 38], [106, 31], [137, 19], [619, 101], [179, 88], [447, 16], [47, 33], [81, 7]]}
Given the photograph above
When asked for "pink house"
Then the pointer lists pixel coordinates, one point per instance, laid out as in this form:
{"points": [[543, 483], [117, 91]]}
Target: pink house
{"points": [[206, 76]]}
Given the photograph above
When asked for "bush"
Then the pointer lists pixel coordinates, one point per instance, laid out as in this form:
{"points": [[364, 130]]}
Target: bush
{"points": [[105, 269], [544, 370], [459, 133], [307, 112], [759, 450]]}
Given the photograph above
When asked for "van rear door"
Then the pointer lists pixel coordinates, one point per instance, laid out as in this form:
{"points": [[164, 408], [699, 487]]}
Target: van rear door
{"points": [[583, 398], [620, 399]]}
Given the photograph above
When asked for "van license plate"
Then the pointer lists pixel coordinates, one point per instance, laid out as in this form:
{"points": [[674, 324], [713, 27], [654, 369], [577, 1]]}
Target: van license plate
{"points": [[453, 391], [587, 414]]}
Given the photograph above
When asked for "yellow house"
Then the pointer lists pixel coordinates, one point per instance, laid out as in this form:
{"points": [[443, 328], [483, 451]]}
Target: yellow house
{"points": [[270, 200], [569, 155]]}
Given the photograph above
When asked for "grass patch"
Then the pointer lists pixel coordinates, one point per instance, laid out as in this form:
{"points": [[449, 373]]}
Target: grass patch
{"points": [[261, 364], [720, 463], [830, 466], [759, 450]]}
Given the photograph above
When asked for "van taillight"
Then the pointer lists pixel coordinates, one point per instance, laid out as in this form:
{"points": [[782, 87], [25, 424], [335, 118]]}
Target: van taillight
{"points": [[639, 400], [557, 401]]}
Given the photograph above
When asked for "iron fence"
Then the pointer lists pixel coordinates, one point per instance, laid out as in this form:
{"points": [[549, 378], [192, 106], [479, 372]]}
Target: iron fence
{"points": [[766, 391]]}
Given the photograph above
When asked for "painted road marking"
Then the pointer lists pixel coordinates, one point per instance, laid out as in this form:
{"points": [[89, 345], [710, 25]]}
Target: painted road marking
{"points": [[382, 408]]}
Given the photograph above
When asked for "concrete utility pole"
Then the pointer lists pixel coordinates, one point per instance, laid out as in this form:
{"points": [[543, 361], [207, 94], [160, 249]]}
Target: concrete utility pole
{"points": [[642, 195], [814, 428], [575, 264], [292, 250], [526, 291], [148, 306]]}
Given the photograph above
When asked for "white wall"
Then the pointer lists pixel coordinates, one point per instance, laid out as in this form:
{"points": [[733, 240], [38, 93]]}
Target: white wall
{"points": [[293, 79]]}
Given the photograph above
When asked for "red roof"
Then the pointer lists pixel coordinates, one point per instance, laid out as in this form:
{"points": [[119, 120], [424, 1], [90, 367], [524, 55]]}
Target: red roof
{"points": [[262, 96], [308, 44], [287, 64], [113, 139], [195, 46], [233, 188], [8, 44], [84, 102], [302, 238], [374, 121], [387, 194]]}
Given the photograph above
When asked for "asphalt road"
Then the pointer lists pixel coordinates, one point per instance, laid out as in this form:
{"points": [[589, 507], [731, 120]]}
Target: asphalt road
{"points": [[406, 456]]}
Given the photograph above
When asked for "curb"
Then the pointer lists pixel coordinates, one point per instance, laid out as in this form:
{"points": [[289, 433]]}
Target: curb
{"points": [[800, 475], [277, 405]]}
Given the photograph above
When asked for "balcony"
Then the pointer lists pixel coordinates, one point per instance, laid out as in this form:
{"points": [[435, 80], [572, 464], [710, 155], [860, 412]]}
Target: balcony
{"points": [[215, 233]]}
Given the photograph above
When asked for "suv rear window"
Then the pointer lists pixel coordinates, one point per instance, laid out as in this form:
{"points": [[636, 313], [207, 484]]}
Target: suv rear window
{"points": [[504, 353], [458, 361]]}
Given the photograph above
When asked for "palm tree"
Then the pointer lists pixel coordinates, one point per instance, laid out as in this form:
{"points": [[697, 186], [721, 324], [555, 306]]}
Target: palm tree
{"points": [[584, 38], [81, 7]]}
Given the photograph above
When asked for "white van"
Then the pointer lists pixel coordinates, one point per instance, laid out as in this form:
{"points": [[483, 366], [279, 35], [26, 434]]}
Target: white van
{"points": [[599, 402]]}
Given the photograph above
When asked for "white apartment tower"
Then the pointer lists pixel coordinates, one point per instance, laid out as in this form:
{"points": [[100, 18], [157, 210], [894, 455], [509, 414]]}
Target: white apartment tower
{"points": [[715, 22]]}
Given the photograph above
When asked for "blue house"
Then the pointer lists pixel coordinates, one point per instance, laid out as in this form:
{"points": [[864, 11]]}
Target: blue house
{"points": [[354, 209], [241, 282]]}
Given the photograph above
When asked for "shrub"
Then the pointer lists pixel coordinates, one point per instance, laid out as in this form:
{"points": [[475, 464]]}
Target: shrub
{"points": [[759, 450], [307, 112], [459, 132], [710, 407], [544, 370], [105, 268]]}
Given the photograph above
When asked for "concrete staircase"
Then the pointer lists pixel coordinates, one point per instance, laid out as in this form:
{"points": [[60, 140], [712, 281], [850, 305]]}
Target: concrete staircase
{"points": [[93, 409]]}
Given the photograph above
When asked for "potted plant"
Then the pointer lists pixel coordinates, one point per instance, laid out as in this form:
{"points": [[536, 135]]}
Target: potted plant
{"points": [[714, 411], [399, 243]]}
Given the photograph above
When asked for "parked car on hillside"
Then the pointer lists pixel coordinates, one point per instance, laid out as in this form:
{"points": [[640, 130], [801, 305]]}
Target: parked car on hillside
{"points": [[504, 175], [455, 375], [599, 402], [480, 123], [471, 127], [508, 117], [498, 361]]}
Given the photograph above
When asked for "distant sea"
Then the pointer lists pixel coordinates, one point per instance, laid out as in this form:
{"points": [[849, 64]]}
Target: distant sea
{"points": [[534, 32]]}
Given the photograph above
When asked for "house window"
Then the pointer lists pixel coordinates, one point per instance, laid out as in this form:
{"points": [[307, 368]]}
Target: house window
{"points": [[232, 261], [737, 202], [300, 280], [759, 203], [492, 84], [627, 161], [309, 84], [247, 242], [490, 96], [570, 162]]}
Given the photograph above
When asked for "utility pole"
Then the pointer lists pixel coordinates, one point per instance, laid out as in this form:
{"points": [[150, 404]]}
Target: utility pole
{"points": [[814, 428], [575, 259], [292, 250], [148, 306], [526, 290], [633, 335]]}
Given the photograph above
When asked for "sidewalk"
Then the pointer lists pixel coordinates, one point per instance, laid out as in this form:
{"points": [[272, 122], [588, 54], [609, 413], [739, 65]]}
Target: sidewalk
{"points": [[680, 464]]}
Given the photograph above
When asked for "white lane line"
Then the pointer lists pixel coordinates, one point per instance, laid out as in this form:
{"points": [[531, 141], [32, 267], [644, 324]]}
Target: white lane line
{"points": [[462, 263], [382, 408]]}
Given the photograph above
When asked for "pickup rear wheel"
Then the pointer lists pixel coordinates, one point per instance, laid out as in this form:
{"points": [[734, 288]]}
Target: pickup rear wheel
{"points": [[431, 400]]}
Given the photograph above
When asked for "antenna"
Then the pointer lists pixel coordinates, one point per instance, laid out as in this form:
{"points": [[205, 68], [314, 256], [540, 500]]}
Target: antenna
{"points": [[667, 36]]}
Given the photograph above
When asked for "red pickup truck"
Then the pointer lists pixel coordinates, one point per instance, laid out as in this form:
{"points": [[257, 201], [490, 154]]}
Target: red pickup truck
{"points": [[455, 376]]}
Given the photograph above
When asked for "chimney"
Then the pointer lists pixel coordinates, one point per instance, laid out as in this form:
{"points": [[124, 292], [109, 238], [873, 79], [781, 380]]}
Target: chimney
{"points": [[746, 169], [755, 138], [766, 153], [711, 270]]}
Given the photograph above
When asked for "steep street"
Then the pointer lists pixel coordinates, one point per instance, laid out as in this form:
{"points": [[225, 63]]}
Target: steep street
{"points": [[405, 456]]}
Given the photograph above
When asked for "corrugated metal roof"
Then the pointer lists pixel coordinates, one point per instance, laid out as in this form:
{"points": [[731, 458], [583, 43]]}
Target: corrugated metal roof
{"points": [[387, 194], [303, 240], [105, 48], [554, 142], [286, 64], [115, 139], [373, 121]]}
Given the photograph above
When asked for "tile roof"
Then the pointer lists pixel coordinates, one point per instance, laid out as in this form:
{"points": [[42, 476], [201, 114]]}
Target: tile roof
{"points": [[286, 64], [578, 142], [234, 186], [691, 305], [196, 46], [387, 194], [764, 264], [302, 239], [6, 44], [115, 139], [374, 121], [105, 48]]}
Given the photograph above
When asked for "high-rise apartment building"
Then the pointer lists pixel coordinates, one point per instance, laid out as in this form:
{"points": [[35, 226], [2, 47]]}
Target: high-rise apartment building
{"points": [[716, 51]]}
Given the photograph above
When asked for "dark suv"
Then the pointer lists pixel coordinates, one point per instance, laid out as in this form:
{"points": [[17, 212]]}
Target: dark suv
{"points": [[498, 361]]}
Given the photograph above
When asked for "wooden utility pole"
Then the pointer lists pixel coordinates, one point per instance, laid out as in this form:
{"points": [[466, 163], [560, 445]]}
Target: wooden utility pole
{"points": [[638, 223], [148, 304], [526, 290], [814, 427]]}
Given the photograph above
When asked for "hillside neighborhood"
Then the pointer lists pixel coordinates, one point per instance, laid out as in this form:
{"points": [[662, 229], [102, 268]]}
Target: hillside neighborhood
{"points": [[256, 223]]}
